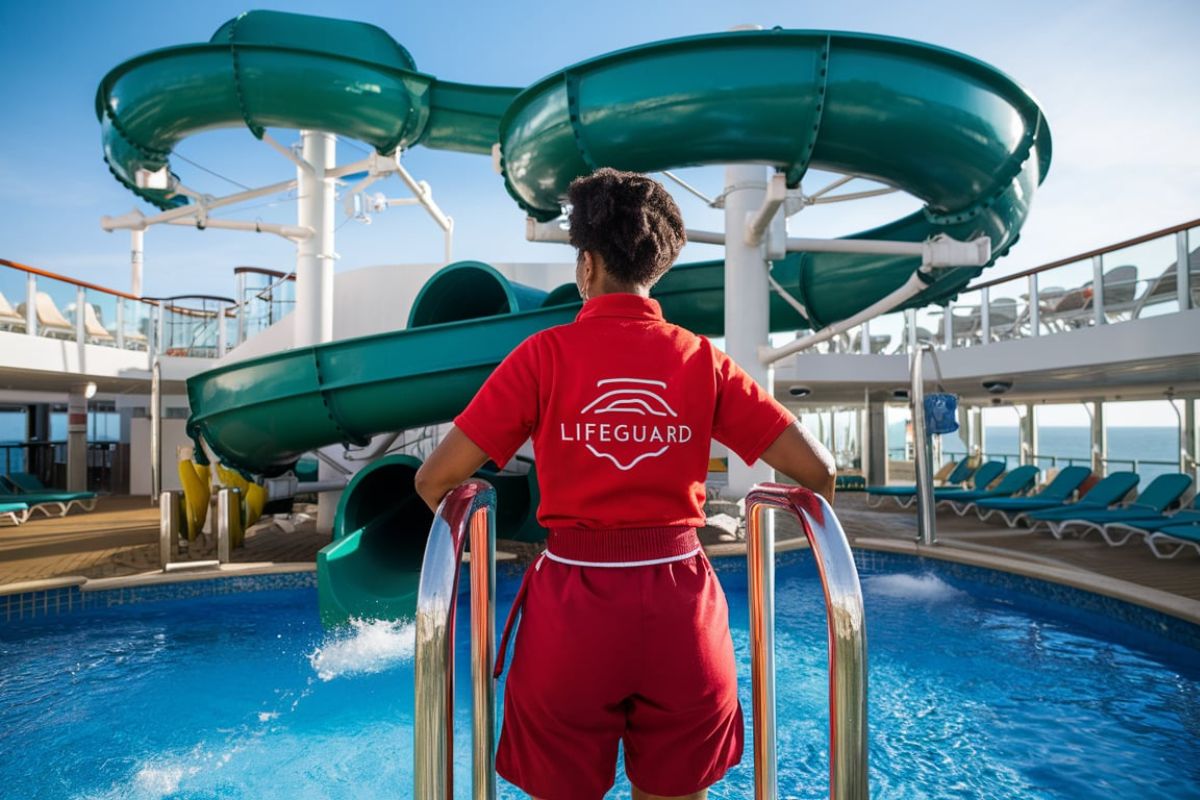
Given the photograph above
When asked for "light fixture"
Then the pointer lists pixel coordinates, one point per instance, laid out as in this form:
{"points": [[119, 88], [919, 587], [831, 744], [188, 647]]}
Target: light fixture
{"points": [[89, 391]]}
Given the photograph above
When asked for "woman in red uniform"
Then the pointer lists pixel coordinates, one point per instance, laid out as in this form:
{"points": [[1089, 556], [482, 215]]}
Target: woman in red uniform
{"points": [[624, 632]]}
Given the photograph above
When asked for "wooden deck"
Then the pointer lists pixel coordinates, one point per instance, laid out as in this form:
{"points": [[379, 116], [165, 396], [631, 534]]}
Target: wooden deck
{"points": [[120, 538]]}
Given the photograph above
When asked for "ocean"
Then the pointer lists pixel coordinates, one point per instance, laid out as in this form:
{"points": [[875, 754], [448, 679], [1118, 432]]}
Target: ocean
{"points": [[1125, 444]]}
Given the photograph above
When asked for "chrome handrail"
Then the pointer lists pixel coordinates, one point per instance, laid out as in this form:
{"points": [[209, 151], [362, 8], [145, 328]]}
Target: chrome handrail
{"points": [[848, 778], [467, 512]]}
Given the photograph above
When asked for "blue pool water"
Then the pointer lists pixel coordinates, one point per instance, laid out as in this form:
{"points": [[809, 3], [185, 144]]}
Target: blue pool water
{"points": [[976, 691]]}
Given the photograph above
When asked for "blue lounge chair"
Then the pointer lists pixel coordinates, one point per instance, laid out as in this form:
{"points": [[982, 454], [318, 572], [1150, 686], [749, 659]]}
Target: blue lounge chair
{"points": [[1148, 525], [1178, 537], [25, 482], [1107, 492], [983, 477], [905, 496], [15, 513], [1149, 505], [1056, 493], [50, 500], [1017, 481]]}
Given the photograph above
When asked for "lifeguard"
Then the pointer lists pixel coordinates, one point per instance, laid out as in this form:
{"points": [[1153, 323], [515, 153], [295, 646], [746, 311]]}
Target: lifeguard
{"points": [[624, 635]]}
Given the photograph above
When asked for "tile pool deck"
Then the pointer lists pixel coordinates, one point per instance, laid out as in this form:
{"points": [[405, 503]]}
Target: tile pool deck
{"points": [[117, 544]]}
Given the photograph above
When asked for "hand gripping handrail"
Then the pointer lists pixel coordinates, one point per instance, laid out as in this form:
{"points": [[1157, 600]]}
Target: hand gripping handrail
{"points": [[847, 638], [468, 511]]}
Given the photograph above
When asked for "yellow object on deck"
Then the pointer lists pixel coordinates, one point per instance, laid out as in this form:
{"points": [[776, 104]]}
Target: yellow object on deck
{"points": [[196, 493], [254, 497]]}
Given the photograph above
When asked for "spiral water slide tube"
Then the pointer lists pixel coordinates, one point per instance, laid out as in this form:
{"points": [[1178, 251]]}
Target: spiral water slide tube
{"points": [[966, 140]]}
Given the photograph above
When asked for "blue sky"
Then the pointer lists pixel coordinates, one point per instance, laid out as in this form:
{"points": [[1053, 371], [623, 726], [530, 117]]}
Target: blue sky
{"points": [[1116, 81]]}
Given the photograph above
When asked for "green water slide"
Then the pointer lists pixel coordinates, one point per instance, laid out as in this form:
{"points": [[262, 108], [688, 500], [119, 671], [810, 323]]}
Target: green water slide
{"points": [[964, 139]]}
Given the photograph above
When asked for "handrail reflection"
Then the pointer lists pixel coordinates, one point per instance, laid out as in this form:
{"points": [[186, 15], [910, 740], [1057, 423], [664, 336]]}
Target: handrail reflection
{"points": [[467, 512], [848, 778]]}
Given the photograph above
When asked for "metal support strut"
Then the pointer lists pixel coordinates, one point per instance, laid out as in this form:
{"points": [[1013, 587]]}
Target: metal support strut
{"points": [[847, 639]]}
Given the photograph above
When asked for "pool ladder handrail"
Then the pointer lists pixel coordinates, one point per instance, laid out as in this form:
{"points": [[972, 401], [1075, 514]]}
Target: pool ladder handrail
{"points": [[468, 512], [848, 778]]}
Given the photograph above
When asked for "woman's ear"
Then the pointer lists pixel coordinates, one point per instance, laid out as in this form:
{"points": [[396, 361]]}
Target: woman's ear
{"points": [[587, 267]]}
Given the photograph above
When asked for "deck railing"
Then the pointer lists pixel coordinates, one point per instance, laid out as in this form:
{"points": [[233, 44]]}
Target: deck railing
{"points": [[1132, 279], [37, 302]]}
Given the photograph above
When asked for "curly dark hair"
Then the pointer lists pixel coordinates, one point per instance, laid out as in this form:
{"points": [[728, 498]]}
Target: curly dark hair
{"points": [[630, 220]]}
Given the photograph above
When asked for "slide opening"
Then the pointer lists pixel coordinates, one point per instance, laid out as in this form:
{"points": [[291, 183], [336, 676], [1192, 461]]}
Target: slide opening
{"points": [[383, 505], [470, 290]]}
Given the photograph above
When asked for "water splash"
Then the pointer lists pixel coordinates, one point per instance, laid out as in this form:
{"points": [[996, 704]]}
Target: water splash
{"points": [[906, 586], [366, 647], [159, 781]]}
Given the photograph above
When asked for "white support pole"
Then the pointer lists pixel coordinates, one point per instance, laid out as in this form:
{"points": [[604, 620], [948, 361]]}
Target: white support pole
{"points": [[314, 255], [137, 255], [314, 267], [77, 419], [1099, 439], [747, 296], [1029, 437], [80, 320], [31, 304], [221, 331], [1035, 307], [1098, 289], [1191, 444], [1183, 271]]}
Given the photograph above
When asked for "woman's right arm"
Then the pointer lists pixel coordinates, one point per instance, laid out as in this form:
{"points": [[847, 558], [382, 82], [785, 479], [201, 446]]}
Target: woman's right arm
{"points": [[802, 458]]}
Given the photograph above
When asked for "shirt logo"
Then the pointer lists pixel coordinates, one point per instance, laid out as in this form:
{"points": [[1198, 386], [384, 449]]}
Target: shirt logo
{"points": [[603, 429]]}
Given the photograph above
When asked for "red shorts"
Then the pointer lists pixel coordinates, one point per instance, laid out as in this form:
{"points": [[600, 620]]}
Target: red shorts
{"points": [[640, 655]]}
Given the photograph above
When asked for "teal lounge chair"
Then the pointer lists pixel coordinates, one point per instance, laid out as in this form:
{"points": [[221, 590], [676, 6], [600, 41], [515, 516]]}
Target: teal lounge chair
{"points": [[983, 477], [1147, 506], [1179, 537], [15, 513], [905, 496], [1017, 481], [48, 501], [25, 482], [1107, 492], [1056, 493], [1150, 524]]}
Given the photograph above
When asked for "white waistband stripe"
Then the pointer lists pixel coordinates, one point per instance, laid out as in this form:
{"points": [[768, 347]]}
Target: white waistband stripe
{"points": [[647, 563]]}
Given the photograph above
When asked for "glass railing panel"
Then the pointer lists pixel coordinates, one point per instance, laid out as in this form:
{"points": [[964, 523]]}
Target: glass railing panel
{"points": [[1140, 281], [54, 308], [929, 326], [966, 323], [100, 323], [137, 324], [1065, 297], [1008, 314], [887, 334], [13, 283], [265, 300], [191, 326]]}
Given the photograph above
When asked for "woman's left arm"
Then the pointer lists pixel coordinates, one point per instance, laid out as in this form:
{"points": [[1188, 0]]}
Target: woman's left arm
{"points": [[452, 462]]}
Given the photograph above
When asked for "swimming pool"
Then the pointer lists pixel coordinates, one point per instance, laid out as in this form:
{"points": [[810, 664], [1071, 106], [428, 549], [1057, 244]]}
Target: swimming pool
{"points": [[981, 685]]}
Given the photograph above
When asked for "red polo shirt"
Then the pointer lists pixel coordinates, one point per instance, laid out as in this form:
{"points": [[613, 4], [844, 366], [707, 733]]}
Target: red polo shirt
{"points": [[621, 406]]}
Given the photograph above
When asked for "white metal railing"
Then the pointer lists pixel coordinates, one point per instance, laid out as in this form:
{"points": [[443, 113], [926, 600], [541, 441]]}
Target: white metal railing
{"points": [[846, 623], [44, 304], [1134, 279], [468, 512]]}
